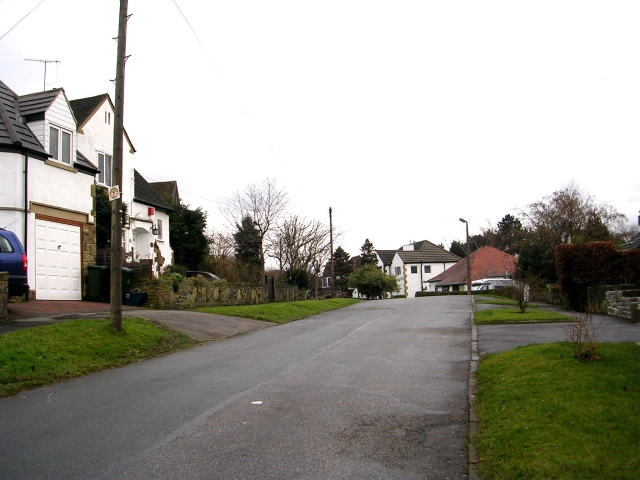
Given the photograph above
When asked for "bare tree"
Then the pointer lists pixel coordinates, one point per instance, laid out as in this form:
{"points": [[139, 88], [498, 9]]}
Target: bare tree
{"points": [[264, 203], [300, 244]]}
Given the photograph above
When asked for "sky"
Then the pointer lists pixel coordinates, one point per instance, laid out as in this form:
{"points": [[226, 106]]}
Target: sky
{"points": [[403, 116]]}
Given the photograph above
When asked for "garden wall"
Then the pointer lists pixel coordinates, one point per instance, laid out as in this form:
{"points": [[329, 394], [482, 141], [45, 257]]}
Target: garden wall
{"points": [[197, 292], [4, 294], [625, 304]]}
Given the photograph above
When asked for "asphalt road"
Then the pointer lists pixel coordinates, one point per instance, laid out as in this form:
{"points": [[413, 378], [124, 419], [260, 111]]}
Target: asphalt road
{"points": [[377, 390]]}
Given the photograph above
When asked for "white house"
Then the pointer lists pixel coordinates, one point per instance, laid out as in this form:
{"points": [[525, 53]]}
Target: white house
{"points": [[147, 233], [45, 190], [416, 263]]}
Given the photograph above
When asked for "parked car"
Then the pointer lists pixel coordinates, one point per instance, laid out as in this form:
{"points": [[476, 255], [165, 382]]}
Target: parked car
{"points": [[13, 259], [206, 275]]}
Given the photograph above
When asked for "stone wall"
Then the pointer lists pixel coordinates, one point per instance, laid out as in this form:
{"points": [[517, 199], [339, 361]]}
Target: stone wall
{"points": [[89, 250], [624, 303], [597, 300], [197, 292], [4, 294]]}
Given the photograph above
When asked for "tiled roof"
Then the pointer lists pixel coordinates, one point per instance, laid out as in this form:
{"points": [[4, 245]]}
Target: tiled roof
{"points": [[167, 189], [83, 163], [14, 134], [485, 262], [83, 108], [146, 194], [427, 252], [386, 256], [34, 105]]}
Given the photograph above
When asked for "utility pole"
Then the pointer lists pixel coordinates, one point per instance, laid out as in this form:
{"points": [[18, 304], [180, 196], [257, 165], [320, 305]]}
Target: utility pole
{"points": [[44, 82], [468, 258], [116, 205], [333, 292]]}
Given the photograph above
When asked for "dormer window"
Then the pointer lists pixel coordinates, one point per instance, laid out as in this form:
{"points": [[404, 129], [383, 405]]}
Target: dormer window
{"points": [[60, 142], [104, 165]]}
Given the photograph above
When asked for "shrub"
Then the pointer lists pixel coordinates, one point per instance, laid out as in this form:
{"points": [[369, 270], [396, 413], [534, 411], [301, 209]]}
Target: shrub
{"points": [[581, 336]]}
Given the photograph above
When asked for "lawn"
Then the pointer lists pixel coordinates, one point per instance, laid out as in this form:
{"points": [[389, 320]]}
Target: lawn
{"points": [[504, 301], [513, 315], [543, 414], [41, 355], [283, 311]]}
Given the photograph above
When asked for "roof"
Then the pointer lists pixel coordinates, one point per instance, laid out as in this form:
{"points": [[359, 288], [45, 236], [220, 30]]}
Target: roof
{"points": [[84, 108], [167, 190], [426, 252], [83, 163], [146, 194], [485, 262], [34, 105], [386, 256], [634, 243], [14, 133]]}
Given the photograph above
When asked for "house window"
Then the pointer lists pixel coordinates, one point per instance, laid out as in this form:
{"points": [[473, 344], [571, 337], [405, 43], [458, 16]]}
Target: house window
{"points": [[427, 269], [107, 118], [414, 269], [104, 165], [60, 144], [398, 270], [159, 229]]}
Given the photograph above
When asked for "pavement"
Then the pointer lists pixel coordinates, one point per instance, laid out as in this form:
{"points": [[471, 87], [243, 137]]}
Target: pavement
{"points": [[199, 326]]}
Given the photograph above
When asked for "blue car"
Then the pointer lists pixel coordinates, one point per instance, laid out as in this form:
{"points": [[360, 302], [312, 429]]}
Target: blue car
{"points": [[13, 259]]}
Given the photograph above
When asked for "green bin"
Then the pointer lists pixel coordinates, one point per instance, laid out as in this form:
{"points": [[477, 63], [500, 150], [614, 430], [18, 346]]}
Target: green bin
{"points": [[99, 283]]}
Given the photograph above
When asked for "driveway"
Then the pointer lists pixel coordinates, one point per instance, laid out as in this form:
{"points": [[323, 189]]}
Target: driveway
{"points": [[199, 326], [501, 338]]}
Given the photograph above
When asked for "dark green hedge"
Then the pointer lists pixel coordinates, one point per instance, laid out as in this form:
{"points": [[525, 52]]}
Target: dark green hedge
{"points": [[580, 266]]}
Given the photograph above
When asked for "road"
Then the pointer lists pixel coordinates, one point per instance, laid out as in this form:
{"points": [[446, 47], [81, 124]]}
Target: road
{"points": [[376, 390]]}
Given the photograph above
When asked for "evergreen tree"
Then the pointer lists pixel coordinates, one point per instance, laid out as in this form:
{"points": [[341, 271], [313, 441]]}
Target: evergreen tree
{"points": [[187, 236], [342, 268], [248, 242], [368, 253]]}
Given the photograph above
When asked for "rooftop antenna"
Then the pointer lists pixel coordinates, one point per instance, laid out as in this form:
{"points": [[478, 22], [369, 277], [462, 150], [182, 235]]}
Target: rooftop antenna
{"points": [[44, 82]]}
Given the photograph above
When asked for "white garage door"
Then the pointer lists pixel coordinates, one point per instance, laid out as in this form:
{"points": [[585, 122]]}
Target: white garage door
{"points": [[58, 261]]}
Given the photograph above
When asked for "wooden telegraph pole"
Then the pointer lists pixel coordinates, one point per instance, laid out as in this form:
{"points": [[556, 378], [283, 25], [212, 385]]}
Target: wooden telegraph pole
{"points": [[116, 204], [333, 277]]}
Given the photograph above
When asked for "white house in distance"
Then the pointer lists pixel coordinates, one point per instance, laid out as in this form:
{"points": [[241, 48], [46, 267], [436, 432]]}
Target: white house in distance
{"points": [[147, 233], [416, 263], [45, 190]]}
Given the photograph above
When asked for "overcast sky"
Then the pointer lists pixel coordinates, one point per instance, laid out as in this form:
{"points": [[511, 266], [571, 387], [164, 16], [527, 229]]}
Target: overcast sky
{"points": [[401, 115]]}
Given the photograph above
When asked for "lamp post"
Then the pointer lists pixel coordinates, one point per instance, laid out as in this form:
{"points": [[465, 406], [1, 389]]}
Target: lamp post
{"points": [[468, 258]]}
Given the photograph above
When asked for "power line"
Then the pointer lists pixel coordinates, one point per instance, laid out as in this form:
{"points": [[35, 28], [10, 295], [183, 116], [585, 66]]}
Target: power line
{"points": [[246, 112], [7, 32]]}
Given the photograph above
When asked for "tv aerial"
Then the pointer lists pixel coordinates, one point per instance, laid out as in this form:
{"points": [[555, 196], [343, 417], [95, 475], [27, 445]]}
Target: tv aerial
{"points": [[44, 82]]}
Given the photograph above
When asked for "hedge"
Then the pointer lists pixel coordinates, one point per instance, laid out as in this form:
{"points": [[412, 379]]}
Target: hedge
{"points": [[582, 265]]}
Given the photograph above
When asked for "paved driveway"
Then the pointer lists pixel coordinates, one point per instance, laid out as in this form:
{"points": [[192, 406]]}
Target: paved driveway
{"points": [[500, 338]]}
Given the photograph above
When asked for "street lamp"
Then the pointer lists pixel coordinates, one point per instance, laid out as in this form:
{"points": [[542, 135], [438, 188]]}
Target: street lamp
{"points": [[468, 259]]}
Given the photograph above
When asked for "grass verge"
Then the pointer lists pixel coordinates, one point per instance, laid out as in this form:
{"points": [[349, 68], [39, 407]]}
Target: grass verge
{"points": [[41, 355], [283, 311], [513, 315], [543, 414]]}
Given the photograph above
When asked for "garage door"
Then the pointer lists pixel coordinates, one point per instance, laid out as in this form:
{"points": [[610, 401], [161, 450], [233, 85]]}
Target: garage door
{"points": [[58, 261]]}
